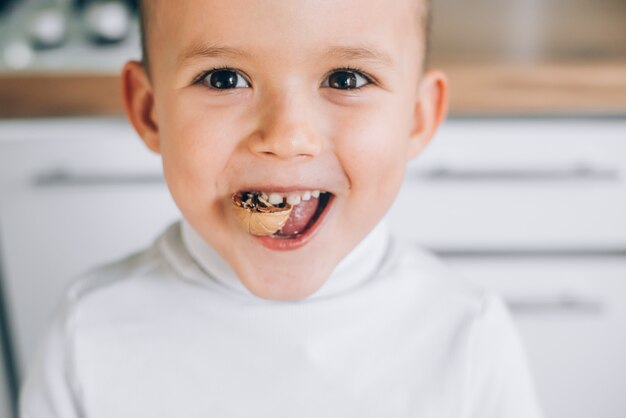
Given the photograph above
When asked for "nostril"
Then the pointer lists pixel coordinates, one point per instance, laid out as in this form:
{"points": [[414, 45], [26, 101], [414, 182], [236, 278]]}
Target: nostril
{"points": [[285, 132], [287, 146]]}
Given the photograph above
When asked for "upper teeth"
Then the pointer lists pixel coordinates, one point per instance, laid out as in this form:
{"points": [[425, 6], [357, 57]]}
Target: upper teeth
{"points": [[276, 199], [292, 198]]}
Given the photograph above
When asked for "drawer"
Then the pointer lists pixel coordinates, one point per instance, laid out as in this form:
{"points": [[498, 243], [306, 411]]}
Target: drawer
{"points": [[104, 149], [540, 185], [571, 314], [517, 216]]}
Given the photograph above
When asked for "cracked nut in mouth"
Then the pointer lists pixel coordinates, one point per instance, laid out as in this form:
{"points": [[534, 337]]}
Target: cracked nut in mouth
{"points": [[257, 216]]}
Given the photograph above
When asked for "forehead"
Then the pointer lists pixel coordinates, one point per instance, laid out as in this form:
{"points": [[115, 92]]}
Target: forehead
{"points": [[286, 29]]}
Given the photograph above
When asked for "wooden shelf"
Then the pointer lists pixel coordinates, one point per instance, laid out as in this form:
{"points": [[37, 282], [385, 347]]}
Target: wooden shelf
{"points": [[475, 90], [59, 94], [556, 89]]}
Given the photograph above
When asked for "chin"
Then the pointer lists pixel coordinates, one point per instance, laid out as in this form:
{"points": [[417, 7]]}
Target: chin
{"points": [[281, 284]]}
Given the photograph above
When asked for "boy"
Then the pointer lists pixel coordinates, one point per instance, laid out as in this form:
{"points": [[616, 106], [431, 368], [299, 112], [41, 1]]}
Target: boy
{"points": [[284, 128]]}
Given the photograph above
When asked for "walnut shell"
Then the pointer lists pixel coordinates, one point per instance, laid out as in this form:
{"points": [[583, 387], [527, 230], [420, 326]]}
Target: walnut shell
{"points": [[262, 224]]}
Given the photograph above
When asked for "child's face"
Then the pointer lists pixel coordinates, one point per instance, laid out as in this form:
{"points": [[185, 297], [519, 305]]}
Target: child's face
{"points": [[285, 120]]}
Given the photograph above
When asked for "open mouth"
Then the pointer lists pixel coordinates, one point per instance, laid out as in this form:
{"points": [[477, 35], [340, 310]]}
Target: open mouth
{"points": [[284, 216]]}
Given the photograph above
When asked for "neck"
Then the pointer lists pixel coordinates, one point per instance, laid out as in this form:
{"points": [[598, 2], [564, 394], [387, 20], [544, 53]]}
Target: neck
{"points": [[353, 270]]}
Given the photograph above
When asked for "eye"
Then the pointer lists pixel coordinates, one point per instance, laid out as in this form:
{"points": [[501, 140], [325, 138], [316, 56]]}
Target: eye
{"points": [[223, 79], [346, 79]]}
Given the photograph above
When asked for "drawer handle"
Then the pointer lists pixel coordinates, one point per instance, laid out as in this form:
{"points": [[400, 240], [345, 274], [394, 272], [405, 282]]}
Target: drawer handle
{"points": [[64, 178], [529, 252], [576, 173], [565, 303]]}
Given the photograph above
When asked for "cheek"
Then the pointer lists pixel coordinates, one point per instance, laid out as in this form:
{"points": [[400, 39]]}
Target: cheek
{"points": [[373, 149], [196, 146]]}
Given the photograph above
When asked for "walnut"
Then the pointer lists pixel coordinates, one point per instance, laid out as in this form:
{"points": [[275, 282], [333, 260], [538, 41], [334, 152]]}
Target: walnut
{"points": [[259, 217]]}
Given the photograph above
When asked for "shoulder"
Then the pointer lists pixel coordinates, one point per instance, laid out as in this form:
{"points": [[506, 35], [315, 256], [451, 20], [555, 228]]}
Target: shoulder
{"points": [[436, 283], [94, 305], [498, 371], [121, 280], [442, 288], [114, 274]]}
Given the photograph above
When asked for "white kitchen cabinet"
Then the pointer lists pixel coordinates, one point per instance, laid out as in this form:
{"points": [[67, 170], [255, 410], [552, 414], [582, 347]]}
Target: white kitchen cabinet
{"points": [[532, 208]]}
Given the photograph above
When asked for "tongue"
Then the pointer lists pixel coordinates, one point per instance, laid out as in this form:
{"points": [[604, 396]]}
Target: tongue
{"points": [[300, 217]]}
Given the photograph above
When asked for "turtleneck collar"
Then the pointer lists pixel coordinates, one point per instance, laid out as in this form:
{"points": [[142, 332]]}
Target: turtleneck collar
{"points": [[357, 267]]}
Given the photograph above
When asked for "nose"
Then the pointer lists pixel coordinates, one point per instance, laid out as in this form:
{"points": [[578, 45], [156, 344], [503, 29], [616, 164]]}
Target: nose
{"points": [[285, 129]]}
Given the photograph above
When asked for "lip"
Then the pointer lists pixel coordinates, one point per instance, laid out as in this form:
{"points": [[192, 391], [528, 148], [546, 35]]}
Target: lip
{"points": [[290, 244], [283, 189]]}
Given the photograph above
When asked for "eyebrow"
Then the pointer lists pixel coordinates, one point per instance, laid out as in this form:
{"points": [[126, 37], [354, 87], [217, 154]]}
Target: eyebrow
{"points": [[355, 53], [360, 53], [210, 51]]}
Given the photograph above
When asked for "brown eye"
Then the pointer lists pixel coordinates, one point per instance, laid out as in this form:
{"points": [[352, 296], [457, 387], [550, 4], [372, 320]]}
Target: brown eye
{"points": [[346, 80], [223, 79]]}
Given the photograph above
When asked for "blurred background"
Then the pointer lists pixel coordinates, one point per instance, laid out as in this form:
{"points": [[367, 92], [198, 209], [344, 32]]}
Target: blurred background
{"points": [[523, 190]]}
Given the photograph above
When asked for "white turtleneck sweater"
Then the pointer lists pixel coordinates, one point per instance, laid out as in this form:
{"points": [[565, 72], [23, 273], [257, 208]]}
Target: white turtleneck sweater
{"points": [[171, 332]]}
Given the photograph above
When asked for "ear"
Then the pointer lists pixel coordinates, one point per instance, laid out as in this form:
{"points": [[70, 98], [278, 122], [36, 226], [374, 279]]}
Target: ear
{"points": [[431, 108], [138, 99]]}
